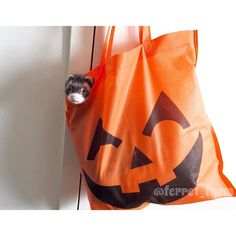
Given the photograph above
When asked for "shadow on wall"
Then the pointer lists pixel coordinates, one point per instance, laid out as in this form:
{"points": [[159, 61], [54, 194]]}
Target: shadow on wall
{"points": [[80, 58], [32, 117]]}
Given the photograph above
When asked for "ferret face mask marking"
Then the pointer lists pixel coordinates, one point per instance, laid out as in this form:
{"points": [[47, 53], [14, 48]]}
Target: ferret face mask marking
{"points": [[77, 88]]}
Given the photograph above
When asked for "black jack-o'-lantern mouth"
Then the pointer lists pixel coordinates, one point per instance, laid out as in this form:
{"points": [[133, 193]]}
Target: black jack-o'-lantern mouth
{"points": [[186, 172]]}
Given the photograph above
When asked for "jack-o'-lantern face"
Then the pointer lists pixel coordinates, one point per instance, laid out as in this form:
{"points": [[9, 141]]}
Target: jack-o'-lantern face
{"points": [[186, 172]]}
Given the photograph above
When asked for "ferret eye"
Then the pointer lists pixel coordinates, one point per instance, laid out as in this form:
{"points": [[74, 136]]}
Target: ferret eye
{"points": [[84, 91], [70, 90]]}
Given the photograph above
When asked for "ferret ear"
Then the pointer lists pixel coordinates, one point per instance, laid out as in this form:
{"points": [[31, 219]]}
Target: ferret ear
{"points": [[90, 79], [69, 78]]}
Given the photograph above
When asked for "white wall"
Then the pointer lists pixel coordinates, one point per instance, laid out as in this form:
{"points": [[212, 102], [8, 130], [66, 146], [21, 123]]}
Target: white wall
{"points": [[80, 57], [32, 76]]}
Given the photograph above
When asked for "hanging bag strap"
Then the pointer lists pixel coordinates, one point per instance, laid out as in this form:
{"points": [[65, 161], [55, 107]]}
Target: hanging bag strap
{"points": [[144, 37]]}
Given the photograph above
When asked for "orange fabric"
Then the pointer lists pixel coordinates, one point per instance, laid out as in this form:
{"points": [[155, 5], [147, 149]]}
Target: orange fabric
{"points": [[143, 135]]}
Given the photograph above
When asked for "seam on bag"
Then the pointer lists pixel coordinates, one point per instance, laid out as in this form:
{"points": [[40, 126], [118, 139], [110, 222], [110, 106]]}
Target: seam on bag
{"points": [[195, 42]]}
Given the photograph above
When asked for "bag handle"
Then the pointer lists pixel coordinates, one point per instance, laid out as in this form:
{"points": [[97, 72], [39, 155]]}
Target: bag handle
{"points": [[144, 35]]}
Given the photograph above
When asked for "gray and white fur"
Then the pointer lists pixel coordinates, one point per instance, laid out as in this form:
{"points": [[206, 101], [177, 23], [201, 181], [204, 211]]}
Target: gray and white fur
{"points": [[77, 88]]}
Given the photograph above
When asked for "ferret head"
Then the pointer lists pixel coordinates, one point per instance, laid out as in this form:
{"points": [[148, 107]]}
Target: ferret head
{"points": [[77, 88]]}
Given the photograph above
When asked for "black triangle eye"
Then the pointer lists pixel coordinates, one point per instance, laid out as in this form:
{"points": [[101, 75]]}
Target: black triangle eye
{"points": [[139, 159], [101, 137]]}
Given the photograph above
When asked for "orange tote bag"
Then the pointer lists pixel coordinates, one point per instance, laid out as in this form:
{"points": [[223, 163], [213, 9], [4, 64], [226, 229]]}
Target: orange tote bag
{"points": [[143, 136]]}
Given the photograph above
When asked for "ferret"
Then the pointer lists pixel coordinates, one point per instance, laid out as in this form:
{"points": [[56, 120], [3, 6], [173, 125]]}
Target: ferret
{"points": [[77, 88]]}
